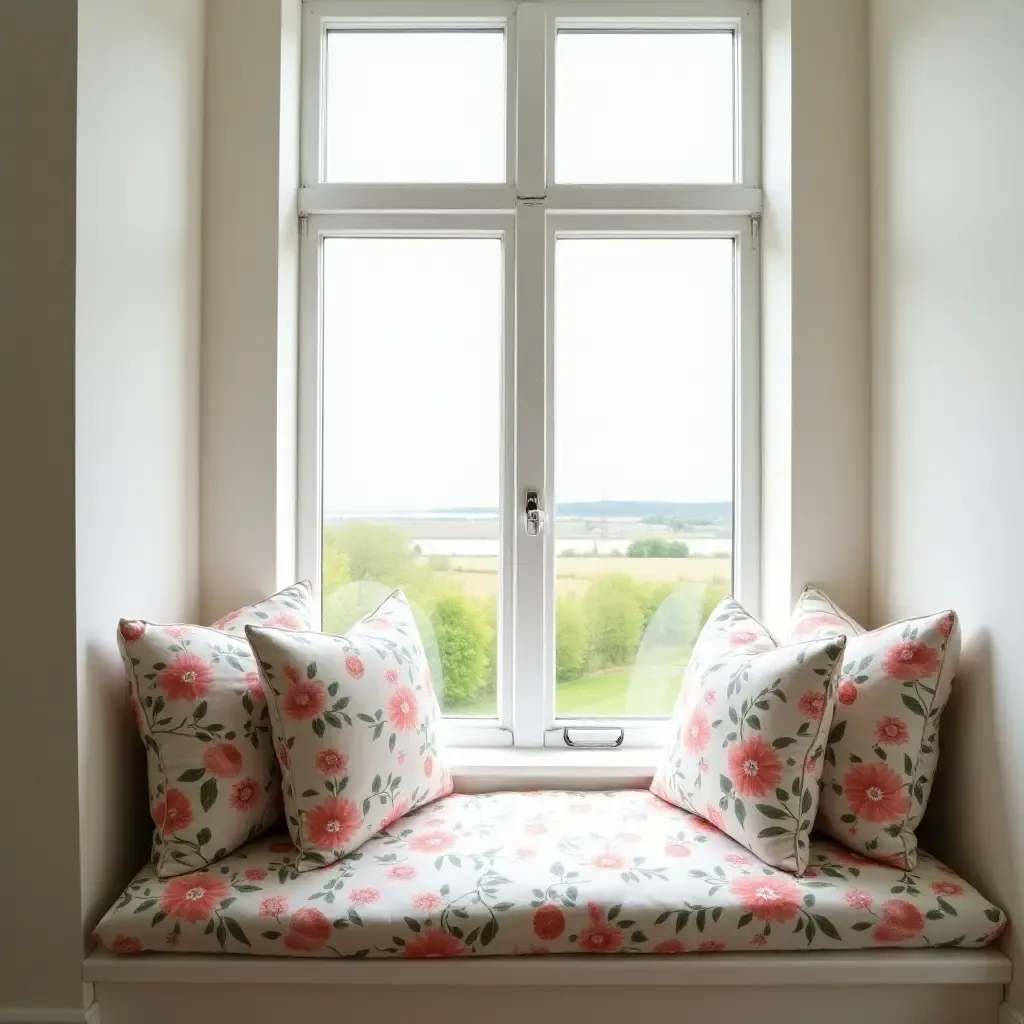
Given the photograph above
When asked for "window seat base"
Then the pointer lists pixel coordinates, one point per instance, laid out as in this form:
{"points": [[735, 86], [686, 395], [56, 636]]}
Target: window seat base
{"points": [[880, 986]]}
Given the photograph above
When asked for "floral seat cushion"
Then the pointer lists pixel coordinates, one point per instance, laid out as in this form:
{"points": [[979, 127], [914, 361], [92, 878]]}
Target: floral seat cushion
{"points": [[554, 872]]}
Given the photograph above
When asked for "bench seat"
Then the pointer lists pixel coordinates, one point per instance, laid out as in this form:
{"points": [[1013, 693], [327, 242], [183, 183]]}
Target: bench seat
{"points": [[545, 872]]}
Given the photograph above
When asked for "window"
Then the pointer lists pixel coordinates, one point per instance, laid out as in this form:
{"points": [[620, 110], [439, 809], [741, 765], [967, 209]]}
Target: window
{"points": [[528, 348]]}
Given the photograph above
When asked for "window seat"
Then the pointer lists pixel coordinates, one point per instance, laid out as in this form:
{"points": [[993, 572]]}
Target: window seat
{"points": [[545, 872]]}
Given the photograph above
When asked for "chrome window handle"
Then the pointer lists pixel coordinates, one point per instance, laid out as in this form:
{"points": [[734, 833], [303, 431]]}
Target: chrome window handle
{"points": [[533, 514]]}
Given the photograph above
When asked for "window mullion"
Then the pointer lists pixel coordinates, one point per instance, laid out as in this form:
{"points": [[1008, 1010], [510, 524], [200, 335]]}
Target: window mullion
{"points": [[532, 600], [531, 100]]}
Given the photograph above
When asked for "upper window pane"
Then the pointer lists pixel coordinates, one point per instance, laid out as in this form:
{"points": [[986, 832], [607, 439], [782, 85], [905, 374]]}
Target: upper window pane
{"points": [[644, 107], [417, 106]]}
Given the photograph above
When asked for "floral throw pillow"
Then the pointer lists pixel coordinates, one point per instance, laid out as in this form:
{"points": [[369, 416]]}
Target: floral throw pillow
{"points": [[884, 746], [202, 716], [356, 725], [749, 731]]}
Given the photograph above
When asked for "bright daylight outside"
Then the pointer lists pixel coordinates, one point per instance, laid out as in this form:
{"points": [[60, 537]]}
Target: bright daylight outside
{"points": [[642, 419]]}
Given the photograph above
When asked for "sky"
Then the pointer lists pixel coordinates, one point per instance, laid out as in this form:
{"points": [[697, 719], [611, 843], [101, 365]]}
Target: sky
{"points": [[413, 326]]}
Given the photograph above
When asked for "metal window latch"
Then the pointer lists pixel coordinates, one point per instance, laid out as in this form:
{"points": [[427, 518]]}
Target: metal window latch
{"points": [[594, 739], [533, 514]]}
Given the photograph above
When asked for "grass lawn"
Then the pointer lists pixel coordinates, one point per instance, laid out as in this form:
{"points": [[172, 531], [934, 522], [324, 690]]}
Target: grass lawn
{"points": [[478, 576], [605, 694]]}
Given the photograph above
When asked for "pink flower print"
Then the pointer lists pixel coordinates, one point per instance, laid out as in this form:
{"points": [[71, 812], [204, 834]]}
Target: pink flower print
{"points": [[305, 699], [709, 697], [427, 902], [131, 631], [946, 889], [900, 920], [711, 946], [284, 621], [670, 947], [847, 692], [273, 906], [354, 666], [754, 767], [677, 850], [891, 731], [859, 899], [309, 929], [173, 813], [331, 762], [698, 733], [910, 659], [187, 677], [599, 936], [333, 823], [193, 897], [365, 895], [401, 873], [774, 898], [433, 942], [255, 874], [391, 677], [812, 704], [403, 710], [222, 760], [743, 638], [875, 793], [609, 861], [244, 794], [432, 842]]}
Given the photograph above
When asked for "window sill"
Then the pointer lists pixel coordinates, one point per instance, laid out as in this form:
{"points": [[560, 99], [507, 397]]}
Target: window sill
{"points": [[480, 769]]}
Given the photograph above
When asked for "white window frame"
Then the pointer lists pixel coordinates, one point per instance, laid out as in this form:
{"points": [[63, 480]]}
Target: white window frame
{"points": [[528, 212]]}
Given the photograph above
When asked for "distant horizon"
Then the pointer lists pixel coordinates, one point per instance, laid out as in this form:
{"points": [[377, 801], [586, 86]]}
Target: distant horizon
{"points": [[608, 506]]}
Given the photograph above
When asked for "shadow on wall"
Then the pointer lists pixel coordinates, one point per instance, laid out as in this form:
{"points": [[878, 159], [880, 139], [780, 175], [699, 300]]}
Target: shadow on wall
{"points": [[969, 806], [116, 823]]}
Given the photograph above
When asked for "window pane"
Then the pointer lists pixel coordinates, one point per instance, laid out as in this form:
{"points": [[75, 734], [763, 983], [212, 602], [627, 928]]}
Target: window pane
{"points": [[643, 470], [644, 107], [415, 106], [411, 356]]}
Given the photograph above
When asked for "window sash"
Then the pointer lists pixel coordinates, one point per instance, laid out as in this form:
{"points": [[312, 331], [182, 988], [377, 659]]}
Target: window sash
{"points": [[528, 212]]}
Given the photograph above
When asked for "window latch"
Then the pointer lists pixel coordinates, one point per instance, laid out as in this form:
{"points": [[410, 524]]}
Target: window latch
{"points": [[594, 739], [533, 514]]}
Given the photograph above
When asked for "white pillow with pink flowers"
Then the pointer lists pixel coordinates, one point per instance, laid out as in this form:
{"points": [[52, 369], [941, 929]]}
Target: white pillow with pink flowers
{"points": [[748, 735], [356, 726], [884, 745], [202, 716]]}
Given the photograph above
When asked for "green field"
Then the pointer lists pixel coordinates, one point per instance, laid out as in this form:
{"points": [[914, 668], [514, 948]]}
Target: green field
{"points": [[624, 624], [604, 694]]}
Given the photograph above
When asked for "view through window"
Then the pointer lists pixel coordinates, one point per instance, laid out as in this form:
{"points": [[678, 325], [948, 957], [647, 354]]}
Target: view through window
{"points": [[507, 291]]}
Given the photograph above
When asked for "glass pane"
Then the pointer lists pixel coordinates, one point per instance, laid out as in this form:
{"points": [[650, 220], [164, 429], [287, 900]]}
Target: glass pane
{"points": [[644, 107], [643, 470], [411, 355], [415, 106]]}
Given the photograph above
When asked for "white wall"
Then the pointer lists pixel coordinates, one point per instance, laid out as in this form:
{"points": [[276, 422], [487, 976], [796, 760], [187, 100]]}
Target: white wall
{"points": [[140, 116], [99, 344], [815, 338], [948, 367], [250, 301], [40, 943]]}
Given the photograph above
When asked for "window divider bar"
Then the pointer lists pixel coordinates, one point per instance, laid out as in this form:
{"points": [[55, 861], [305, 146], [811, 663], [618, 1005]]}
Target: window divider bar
{"points": [[714, 200]]}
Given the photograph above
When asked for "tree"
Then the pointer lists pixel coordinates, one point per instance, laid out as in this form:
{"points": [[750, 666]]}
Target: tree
{"points": [[614, 610], [657, 547], [462, 642], [372, 551], [571, 639]]}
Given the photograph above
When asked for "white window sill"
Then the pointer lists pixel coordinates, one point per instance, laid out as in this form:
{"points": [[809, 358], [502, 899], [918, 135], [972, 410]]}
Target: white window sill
{"points": [[478, 769]]}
